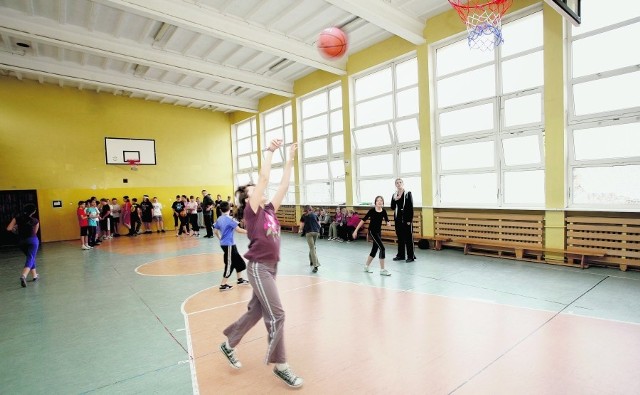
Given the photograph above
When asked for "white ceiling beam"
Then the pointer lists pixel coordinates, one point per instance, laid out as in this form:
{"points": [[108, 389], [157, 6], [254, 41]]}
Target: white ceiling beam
{"points": [[78, 39], [205, 20], [385, 16], [86, 75]]}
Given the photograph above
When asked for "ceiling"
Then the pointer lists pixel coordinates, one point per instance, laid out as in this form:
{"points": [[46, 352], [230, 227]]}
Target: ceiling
{"points": [[220, 55]]}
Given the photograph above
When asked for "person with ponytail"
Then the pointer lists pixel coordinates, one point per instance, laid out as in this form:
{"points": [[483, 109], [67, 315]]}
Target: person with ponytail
{"points": [[26, 227], [263, 231]]}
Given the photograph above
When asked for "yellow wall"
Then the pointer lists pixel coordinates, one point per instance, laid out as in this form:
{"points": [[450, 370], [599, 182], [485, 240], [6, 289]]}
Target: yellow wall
{"points": [[52, 140]]}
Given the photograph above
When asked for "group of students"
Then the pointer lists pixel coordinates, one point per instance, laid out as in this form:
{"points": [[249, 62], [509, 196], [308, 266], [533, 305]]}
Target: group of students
{"points": [[191, 214]]}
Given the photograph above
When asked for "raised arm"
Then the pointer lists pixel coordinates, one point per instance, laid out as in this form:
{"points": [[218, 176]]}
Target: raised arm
{"points": [[286, 176], [263, 177], [11, 225]]}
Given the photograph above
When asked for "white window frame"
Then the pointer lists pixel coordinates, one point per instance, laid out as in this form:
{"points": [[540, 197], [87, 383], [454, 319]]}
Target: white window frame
{"points": [[253, 170], [600, 119], [272, 186], [497, 134]]}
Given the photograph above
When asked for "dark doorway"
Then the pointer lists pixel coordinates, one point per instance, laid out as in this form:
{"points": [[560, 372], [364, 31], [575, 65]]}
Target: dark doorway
{"points": [[11, 204]]}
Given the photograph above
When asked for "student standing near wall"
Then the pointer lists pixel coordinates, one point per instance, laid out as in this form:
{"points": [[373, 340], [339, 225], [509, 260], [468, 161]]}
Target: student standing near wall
{"points": [[402, 206], [310, 227]]}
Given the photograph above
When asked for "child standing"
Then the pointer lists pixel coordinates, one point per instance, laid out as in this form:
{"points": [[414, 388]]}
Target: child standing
{"points": [[157, 215], [223, 229], [93, 214], [377, 215], [83, 221]]}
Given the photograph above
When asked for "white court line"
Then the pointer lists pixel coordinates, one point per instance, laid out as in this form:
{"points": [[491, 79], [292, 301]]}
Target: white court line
{"points": [[173, 275], [192, 366]]}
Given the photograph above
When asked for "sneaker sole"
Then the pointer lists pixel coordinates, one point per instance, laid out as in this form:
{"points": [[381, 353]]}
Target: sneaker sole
{"points": [[227, 358], [284, 381]]}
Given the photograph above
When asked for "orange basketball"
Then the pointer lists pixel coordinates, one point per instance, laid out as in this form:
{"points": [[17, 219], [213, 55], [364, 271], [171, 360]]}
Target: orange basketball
{"points": [[332, 42]]}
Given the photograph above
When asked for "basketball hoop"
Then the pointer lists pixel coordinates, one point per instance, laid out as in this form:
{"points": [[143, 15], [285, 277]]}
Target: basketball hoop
{"points": [[133, 163], [483, 19]]}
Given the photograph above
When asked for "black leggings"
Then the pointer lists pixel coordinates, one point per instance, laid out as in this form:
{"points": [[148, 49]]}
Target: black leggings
{"points": [[377, 243]]}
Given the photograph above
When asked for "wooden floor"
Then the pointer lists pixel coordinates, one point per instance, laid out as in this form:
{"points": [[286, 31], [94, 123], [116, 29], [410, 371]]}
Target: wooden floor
{"points": [[447, 323]]}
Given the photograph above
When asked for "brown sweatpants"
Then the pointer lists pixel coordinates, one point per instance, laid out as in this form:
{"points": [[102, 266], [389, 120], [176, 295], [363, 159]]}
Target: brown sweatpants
{"points": [[264, 303]]}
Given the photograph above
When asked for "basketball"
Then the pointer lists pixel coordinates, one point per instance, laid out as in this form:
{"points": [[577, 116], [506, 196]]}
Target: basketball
{"points": [[332, 42]]}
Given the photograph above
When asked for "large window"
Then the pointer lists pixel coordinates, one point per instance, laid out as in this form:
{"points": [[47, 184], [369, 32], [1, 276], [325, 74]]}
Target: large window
{"points": [[245, 152], [278, 124], [386, 136], [489, 120], [604, 107], [322, 147]]}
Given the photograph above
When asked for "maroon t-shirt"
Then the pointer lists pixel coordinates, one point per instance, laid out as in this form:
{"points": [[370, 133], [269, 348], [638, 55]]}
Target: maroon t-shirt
{"points": [[263, 230]]}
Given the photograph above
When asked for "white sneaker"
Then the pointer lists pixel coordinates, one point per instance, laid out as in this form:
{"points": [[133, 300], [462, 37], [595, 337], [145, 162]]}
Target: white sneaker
{"points": [[384, 272], [86, 247], [367, 269], [290, 378]]}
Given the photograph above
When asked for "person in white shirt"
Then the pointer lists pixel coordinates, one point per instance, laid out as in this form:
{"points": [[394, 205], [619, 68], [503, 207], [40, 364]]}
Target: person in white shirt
{"points": [[115, 217], [192, 213], [157, 215]]}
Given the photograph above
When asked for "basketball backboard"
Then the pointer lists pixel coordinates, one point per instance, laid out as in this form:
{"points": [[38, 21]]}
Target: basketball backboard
{"points": [[570, 9], [120, 151]]}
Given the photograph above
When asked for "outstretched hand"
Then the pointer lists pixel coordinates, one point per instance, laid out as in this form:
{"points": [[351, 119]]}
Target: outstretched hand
{"points": [[275, 144], [292, 150]]}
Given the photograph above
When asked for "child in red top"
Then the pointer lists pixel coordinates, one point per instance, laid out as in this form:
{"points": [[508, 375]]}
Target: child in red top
{"points": [[83, 221]]}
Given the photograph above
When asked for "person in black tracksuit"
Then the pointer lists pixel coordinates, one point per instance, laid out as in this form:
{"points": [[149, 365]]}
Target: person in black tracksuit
{"points": [[402, 206], [207, 212], [376, 215]]}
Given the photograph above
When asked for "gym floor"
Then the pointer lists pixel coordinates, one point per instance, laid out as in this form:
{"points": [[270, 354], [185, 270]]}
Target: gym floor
{"points": [[124, 318]]}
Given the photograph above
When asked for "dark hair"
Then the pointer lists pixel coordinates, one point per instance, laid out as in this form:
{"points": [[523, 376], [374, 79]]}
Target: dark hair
{"points": [[135, 199], [224, 207], [80, 202], [28, 209], [177, 196], [308, 208], [241, 196], [376, 199], [191, 197]]}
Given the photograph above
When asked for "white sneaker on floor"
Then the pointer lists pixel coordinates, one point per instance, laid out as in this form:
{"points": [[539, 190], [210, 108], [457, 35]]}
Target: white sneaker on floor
{"points": [[84, 247], [384, 272], [290, 378], [368, 269]]}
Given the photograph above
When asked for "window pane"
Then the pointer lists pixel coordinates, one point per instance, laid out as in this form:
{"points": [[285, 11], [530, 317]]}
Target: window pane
{"points": [[524, 187], [375, 165], [375, 136], [314, 105], [337, 169], [407, 130], [339, 192], [605, 94], [373, 84], [612, 185], [467, 156], [369, 189], [610, 57], [467, 120], [314, 127], [407, 102], [337, 144], [243, 130], [316, 171], [467, 87], [522, 34], [523, 110], [407, 73], [315, 148], [410, 161], [456, 57], [244, 146], [521, 150], [469, 189], [244, 162], [243, 178], [618, 141], [274, 178], [272, 120], [335, 98], [523, 72], [336, 121], [373, 111], [288, 134], [287, 114], [318, 193], [597, 14]]}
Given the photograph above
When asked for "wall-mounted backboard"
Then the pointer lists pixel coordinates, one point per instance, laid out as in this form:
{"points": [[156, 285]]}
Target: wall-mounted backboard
{"points": [[118, 151], [570, 9]]}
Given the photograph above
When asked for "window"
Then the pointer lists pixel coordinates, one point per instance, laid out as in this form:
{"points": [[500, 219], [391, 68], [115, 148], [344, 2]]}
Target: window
{"points": [[604, 107], [245, 152], [278, 124], [489, 120], [322, 147], [386, 137]]}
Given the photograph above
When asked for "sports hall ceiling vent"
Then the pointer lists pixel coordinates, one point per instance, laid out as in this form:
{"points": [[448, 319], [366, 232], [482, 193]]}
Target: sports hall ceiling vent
{"points": [[218, 55]]}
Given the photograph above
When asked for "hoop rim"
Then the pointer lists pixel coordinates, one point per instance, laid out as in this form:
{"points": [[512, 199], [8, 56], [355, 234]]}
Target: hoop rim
{"points": [[457, 4], [133, 162]]}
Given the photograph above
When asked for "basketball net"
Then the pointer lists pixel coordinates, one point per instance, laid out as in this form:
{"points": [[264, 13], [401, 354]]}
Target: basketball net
{"points": [[133, 163], [483, 20]]}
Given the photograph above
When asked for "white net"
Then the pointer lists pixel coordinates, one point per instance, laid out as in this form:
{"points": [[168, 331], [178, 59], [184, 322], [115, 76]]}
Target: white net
{"points": [[483, 20]]}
